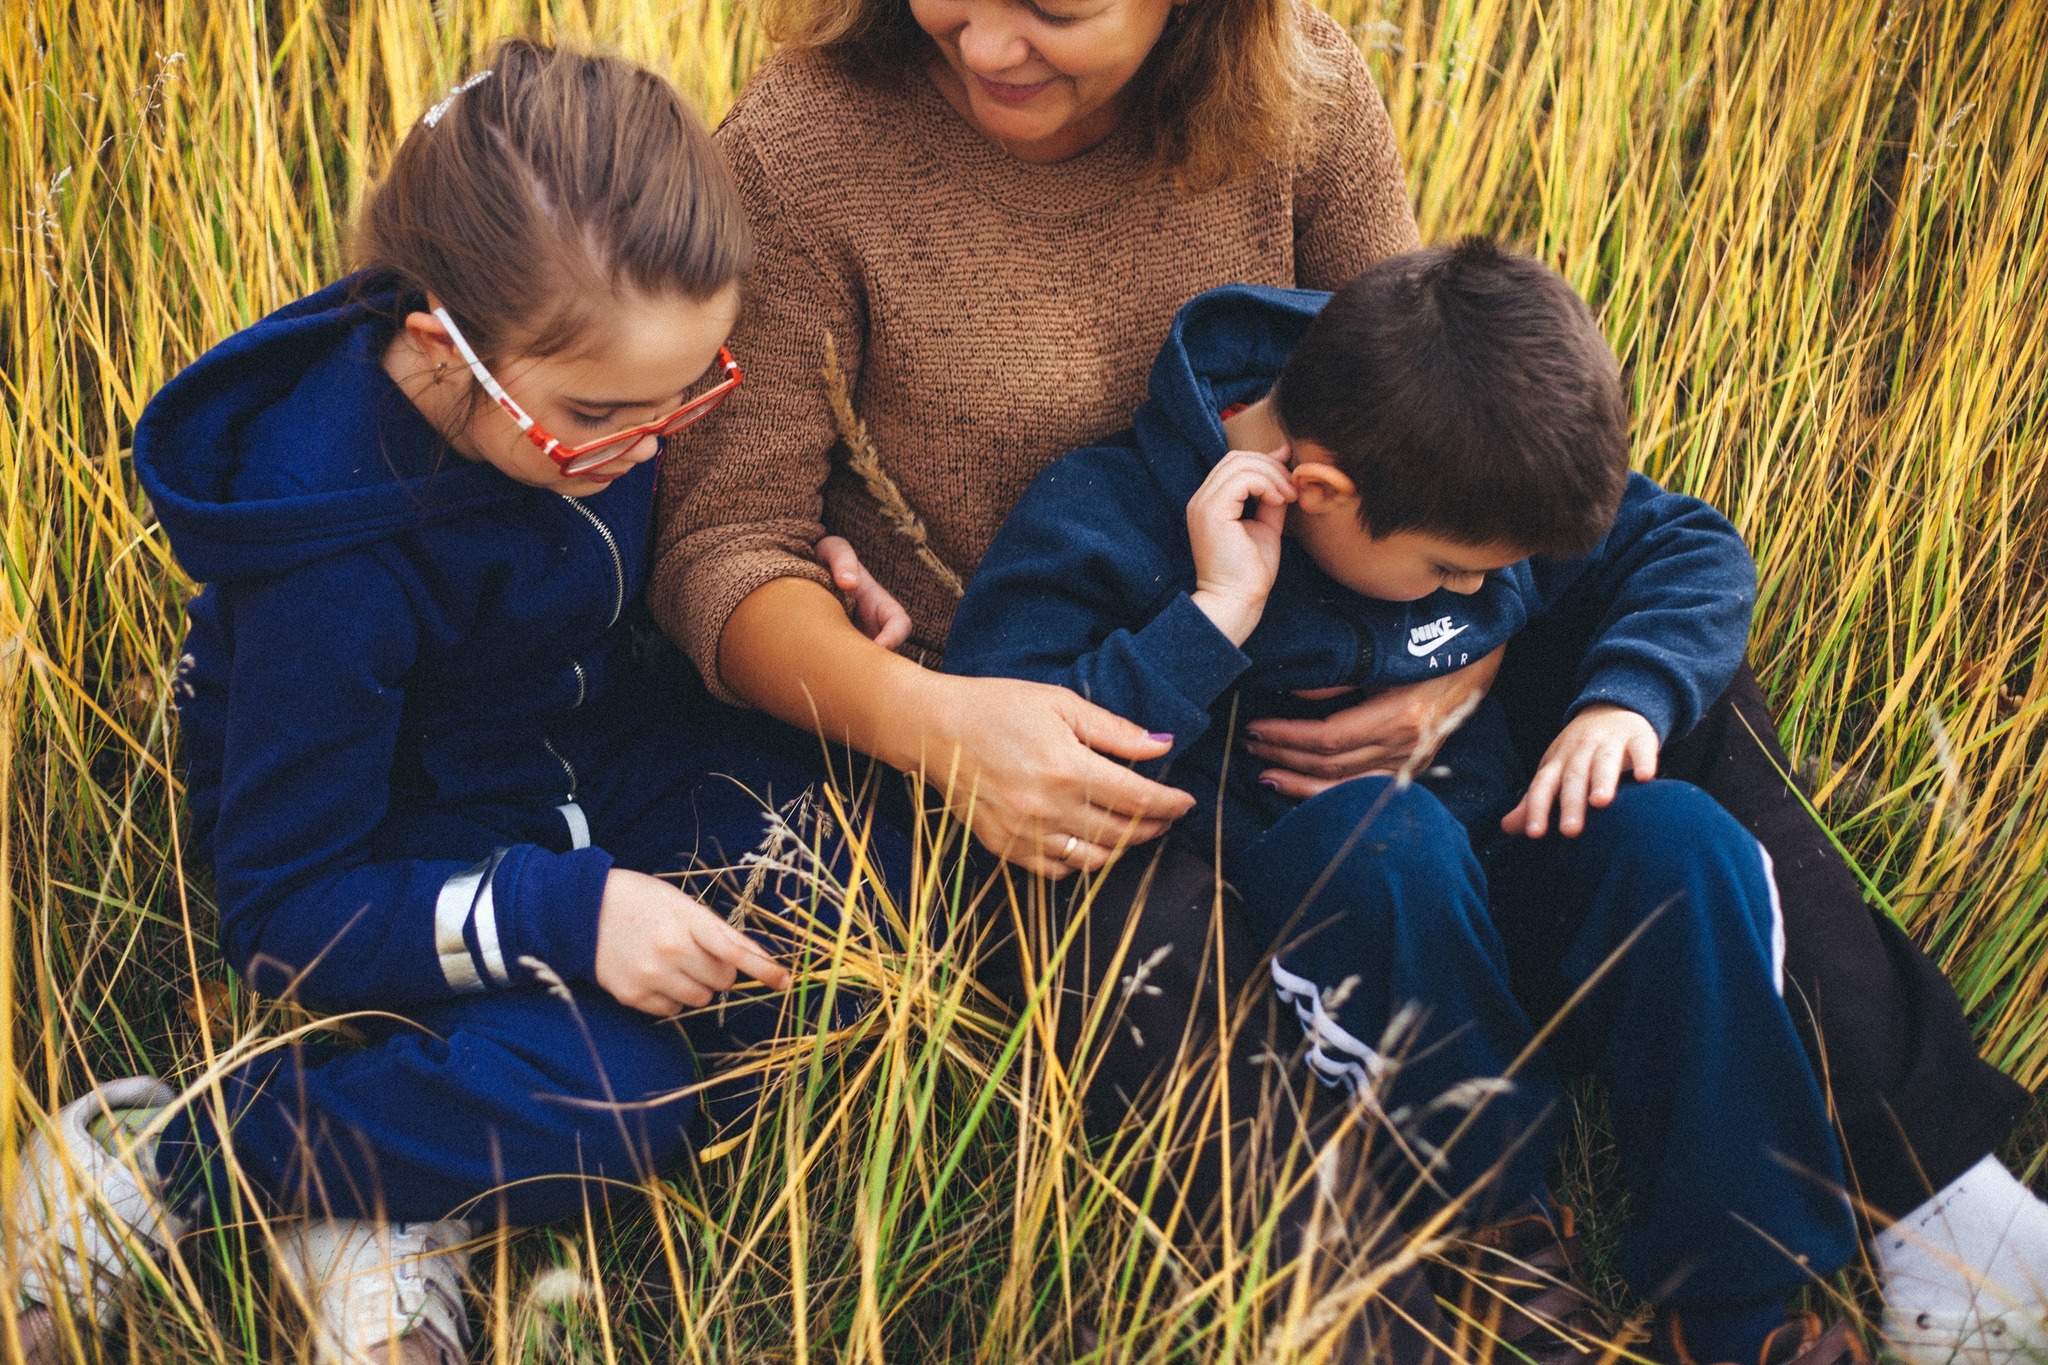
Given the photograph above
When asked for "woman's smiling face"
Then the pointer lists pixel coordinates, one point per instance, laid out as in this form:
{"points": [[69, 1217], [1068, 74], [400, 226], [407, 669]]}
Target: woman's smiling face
{"points": [[1044, 79]]}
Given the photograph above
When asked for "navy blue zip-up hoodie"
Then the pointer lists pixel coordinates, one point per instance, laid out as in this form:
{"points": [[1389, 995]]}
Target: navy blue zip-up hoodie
{"points": [[390, 637], [1088, 583]]}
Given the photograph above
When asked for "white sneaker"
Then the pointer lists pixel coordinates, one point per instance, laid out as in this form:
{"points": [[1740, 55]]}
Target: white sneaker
{"points": [[85, 1213], [1991, 1335], [1966, 1274], [369, 1285]]}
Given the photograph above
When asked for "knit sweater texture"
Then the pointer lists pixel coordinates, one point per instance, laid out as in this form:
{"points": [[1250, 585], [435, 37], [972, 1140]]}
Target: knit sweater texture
{"points": [[989, 315]]}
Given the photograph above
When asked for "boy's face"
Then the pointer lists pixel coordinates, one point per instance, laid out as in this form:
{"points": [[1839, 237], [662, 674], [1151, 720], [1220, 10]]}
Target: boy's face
{"points": [[1400, 567]]}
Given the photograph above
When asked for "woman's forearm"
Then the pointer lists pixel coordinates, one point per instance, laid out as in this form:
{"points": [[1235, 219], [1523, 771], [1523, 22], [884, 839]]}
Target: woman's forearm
{"points": [[1037, 772], [789, 649]]}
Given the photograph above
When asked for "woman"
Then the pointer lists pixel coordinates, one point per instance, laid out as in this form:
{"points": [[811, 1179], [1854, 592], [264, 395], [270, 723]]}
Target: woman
{"points": [[991, 208]]}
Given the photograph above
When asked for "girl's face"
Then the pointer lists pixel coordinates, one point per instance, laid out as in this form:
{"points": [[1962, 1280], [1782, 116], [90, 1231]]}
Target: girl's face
{"points": [[1044, 79], [647, 356]]}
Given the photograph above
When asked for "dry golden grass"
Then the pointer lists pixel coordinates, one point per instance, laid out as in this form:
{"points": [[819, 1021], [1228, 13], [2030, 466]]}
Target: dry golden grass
{"points": [[1815, 233]]}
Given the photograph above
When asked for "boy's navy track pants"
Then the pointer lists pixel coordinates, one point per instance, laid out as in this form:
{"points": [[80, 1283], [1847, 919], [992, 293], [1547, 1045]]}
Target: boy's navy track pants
{"points": [[516, 1105], [1421, 971]]}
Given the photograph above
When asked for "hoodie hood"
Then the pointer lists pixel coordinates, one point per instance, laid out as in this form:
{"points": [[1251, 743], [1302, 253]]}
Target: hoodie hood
{"points": [[1224, 347], [288, 443]]}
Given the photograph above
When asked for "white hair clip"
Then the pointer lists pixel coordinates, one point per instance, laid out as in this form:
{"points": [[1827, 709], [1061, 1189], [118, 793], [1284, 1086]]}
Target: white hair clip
{"points": [[433, 115]]}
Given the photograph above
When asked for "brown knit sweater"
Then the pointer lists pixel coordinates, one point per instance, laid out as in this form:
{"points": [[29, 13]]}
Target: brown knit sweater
{"points": [[990, 315]]}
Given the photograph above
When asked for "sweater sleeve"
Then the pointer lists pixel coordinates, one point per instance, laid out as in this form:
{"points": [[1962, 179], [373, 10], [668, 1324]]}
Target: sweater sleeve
{"points": [[1672, 587], [1351, 205], [1076, 591], [307, 907], [742, 493]]}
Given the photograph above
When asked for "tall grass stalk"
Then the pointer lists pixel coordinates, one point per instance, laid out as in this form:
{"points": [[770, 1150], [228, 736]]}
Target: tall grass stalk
{"points": [[1814, 231]]}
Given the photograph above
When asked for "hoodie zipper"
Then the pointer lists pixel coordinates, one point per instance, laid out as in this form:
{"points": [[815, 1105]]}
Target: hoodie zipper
{"points": [[610, 543], [567, 771]]}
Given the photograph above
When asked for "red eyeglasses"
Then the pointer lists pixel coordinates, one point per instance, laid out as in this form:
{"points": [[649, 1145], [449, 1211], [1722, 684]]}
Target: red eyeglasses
{"points": [[574, 460]]}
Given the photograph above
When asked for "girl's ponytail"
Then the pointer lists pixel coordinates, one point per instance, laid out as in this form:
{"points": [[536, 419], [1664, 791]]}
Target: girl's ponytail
{"points": [[532, 197]]}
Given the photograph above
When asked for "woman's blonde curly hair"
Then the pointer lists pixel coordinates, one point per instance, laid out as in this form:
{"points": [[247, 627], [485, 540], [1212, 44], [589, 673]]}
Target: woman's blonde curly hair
{"points": [[1230, 86]]}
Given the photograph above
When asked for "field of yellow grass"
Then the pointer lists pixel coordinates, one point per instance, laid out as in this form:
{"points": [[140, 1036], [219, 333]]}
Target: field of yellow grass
{"points": [[1815, 231]]}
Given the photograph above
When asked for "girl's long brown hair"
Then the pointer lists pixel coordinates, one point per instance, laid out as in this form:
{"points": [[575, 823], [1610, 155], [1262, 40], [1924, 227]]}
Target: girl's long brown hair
{"points": [[1229, 88], [544, 190]]}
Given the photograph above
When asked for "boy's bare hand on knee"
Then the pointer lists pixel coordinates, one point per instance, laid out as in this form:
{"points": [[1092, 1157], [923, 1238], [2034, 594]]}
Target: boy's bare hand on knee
{"points": [[1582, 768], [661, 952]]}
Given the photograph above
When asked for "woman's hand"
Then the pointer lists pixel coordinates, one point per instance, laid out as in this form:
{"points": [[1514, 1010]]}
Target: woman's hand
{"points": [[875, 609], [661, 952], [1237, 557], [1029, 766], [1398, 727], [1035, 775]]}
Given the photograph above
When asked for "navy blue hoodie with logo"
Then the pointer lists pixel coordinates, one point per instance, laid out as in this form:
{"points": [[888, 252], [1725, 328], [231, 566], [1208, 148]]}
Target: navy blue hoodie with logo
{"points": [[393, 643], [1088, 585]]}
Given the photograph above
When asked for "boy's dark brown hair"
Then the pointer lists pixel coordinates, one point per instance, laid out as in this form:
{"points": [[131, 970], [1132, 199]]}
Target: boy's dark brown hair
{"points": [[1469, 394], [534, 196]]}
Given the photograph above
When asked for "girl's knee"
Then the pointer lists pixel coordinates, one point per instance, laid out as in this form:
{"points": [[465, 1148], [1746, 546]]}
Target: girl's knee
{"points": [[614, 1084]]}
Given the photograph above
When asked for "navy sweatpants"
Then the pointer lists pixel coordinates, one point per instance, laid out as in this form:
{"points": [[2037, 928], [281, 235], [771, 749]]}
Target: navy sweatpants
{"points": [[519, 1104], [1417, 967]]}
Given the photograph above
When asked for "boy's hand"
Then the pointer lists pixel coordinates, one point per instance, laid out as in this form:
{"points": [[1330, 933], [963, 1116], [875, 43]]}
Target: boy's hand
{"points": [[1236, 558], [660, 952], [1582, 767]]}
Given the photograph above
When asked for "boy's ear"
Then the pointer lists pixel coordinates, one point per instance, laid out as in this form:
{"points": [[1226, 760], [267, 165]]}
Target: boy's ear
{"points": [[1322, 487]]}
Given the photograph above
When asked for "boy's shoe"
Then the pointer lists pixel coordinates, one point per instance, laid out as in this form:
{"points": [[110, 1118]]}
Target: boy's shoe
{"points": [[380, 1292], [1520, 1293], [83, 1212], [1801, 1341]]}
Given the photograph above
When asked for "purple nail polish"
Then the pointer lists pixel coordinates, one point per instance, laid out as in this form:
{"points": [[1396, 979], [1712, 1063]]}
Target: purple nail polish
{"points": [[1159, 737], [1254, 737], [1269, 784]]}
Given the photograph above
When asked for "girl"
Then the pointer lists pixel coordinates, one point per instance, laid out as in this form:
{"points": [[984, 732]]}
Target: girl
{"points": [[428, 769]]}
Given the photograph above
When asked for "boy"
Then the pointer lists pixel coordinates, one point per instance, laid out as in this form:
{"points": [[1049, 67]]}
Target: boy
{"points": [[1438, 456]]}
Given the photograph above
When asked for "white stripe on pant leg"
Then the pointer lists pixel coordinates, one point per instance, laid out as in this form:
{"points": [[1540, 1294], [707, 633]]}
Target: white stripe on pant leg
{"points": [[1335, 1053], [451, 913], [1291, 986], [485, 913], [578, 823], [1777, 922]]}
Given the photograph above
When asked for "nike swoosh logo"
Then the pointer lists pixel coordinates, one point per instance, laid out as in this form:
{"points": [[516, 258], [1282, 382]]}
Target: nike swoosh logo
{"points": [[1428, 647]]}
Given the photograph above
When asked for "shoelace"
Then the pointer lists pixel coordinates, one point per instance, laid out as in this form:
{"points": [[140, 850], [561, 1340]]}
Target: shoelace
{"points": [[412, 1286]]}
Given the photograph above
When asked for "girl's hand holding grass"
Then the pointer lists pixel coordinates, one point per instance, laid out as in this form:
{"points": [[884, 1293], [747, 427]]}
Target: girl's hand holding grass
{"points": [[1237, 557], [661, 952], [1582, 768]]}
